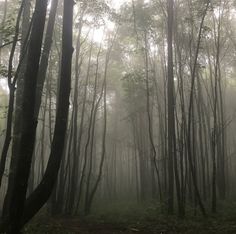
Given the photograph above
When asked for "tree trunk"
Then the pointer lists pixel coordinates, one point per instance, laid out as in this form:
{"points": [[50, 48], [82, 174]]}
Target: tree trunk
{"points": [[171, 107], [18, 181]]}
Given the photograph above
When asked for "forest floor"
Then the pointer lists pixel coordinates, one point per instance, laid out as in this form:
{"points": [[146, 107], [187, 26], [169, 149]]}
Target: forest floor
{"points": [[131, 219]]}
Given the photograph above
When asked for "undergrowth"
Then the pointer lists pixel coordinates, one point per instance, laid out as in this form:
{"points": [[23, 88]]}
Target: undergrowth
{"points": [[147, 217]]}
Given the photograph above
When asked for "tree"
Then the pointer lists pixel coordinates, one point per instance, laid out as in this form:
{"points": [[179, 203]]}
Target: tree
{"points": [[171, 111], [20, 209], [18, 180]]}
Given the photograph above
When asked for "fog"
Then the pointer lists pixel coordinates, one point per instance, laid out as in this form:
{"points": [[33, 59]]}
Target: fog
{"points": [[117, 116]]}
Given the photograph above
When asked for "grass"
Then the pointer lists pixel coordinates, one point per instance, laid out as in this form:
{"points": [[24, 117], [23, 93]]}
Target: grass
{"points": [[130, 217]]}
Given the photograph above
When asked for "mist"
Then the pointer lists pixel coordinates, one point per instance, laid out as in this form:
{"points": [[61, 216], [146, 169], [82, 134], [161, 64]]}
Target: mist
{"points": [[117, 116]]}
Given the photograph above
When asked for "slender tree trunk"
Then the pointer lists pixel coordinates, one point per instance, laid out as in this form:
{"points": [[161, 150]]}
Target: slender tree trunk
{"points": [[91, 130], [104, 136], [45, 55], [11, 85], [190, 112], [81, 180], [171, 120], [2, 24], [150, 131], [76, 149]]}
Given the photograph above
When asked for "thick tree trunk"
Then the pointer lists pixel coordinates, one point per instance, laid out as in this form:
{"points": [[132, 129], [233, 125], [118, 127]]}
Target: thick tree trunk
{"points": [[18, 181], [42, 193], [23, 212]]}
